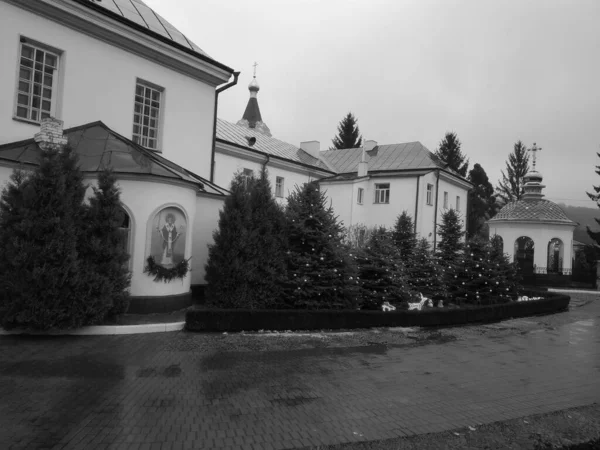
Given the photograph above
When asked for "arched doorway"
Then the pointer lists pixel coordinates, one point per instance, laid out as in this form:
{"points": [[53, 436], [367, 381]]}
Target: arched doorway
{"points": [[524, 251], [555, 256]]}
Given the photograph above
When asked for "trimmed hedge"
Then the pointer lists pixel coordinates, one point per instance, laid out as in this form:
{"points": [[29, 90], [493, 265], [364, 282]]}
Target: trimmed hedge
{"points": [[253, 320]]}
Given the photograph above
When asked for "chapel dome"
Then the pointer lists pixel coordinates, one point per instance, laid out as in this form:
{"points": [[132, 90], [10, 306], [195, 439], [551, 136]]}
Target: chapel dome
{"points": [[253, 86], [532, 211]]}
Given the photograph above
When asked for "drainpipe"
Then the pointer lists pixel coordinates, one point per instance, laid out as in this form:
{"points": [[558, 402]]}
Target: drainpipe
{"points": [[416, 204], [266, 162], [437, 184], [214, 139]]}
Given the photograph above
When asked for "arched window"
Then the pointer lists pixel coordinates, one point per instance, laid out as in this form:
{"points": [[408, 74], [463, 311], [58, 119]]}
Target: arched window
{"points": [[524, 252], [498, 243], [125, 230], [555, 256]]}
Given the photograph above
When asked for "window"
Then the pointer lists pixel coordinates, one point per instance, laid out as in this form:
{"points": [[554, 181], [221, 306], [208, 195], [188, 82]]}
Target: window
{"points": [[279, 186], [382, 193], [247, 172], [37, 82], [458, 203], [430, 194], [146, 115], [445, 199], [360, 196]]}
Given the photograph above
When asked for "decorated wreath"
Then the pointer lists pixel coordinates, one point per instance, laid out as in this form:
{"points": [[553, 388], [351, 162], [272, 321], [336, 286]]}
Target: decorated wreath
{"points": [[164, 274]]}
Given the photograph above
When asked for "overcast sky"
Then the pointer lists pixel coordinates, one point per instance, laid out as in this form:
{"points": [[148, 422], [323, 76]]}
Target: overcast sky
{"points": [[492, 71]]}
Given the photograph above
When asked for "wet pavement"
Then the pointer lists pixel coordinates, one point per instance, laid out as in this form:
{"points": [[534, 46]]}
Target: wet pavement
{"points": [[175, 390]]}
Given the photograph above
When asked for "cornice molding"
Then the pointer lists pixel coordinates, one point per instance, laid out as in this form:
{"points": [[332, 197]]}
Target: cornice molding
{"points": [[102, 27]]}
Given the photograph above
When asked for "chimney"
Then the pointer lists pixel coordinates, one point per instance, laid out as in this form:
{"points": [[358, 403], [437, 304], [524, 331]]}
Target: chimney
{"points": [[363, 165], [313, 148], [369, 145], [50, 134]]}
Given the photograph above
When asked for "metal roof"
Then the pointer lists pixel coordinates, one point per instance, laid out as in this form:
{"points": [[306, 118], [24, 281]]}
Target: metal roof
{"points": [[97, 147], [532, 211]]}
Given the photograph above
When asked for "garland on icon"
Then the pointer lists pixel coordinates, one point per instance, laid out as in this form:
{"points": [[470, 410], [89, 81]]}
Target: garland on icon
{"points": [[165, 275]]}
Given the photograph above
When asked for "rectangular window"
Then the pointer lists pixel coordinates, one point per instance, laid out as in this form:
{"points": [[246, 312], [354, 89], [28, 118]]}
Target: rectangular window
{"points": [[382, 193], [445, 199], [146, 114], [430, 194], [458, 203], [37, 82], [360, 196], [279, 186]]}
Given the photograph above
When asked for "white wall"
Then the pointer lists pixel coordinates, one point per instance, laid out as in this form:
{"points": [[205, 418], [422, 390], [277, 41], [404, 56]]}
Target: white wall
{"points": [[98, 83], [541, 234]]}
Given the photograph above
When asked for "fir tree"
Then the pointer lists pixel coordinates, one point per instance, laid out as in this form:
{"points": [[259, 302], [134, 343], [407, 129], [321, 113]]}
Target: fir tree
{"points": [[510, 188], [482, 202], [381, 272], [103, 249], [425, 274], [450, 153], [348, 134], [246, 265], [595, 235], [46, 283], [321, 270], [451, 236], [404, 236]]}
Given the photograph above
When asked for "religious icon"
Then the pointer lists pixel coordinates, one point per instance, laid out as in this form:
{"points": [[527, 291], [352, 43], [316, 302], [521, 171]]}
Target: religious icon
{"points": [[167, 244]]}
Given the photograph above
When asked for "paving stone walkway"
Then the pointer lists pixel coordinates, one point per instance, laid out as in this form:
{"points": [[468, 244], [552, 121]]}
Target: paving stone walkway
{"points": [[162, 391]]}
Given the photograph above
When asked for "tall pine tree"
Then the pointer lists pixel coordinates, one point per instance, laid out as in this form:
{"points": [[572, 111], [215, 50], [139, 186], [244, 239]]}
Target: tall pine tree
{"points": [[321, 270], [595, 235], [451, 236], [348, 134], [451, 154], [510, 188], [404, 236], [482, 202]]}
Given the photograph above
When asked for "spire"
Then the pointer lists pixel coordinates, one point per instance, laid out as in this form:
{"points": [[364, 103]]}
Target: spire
{"points": [[252, 118], [533, 180]]}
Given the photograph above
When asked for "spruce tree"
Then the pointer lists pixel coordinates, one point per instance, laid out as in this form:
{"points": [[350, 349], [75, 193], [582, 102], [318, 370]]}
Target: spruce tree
{"points": [[103, 249], [321, 270], [482, 202], [451, 236], [595, 235], [348, 134], [381, 272], [46, 284], [404, 236], [246, 265], [425, 273], [450, 153], [510, 188]]}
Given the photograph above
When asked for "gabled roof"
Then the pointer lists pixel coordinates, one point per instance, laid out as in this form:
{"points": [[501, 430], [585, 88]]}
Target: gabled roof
{"points": [[534, 211], [238, 135], [394, 157], [97, 147]]}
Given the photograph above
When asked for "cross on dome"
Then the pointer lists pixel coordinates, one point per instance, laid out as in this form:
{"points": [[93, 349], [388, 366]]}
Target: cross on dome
{"points": [[254, 65], [534, 151]]}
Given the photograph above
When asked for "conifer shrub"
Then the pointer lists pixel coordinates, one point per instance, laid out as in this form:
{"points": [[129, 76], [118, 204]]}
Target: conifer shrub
{"points": [[404, 236], [246, 265], [45, 278], [321, 269], [425, 273]]}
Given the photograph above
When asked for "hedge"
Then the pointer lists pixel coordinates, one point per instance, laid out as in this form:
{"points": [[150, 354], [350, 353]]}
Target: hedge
{"points": [[253, 320]]}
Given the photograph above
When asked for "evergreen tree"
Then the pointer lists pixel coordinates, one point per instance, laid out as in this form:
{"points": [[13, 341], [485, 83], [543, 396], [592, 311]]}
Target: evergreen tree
{"points": [[348, 134], [450, 153], [482, 202], [595, 235], [381, 272], [404, 236], [510, 188], [103, 249], [451, 237], [321, 270], [46, 284], [425, 274], [246, 264]]}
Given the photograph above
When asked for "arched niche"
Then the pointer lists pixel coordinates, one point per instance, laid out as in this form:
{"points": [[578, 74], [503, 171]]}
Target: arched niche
{"points": [[524, 254], [556, 250], [126, 227], [168, 234]]}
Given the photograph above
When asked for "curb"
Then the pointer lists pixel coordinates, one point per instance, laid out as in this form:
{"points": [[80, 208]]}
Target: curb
{"points": [[104, 330], [573, 291]]}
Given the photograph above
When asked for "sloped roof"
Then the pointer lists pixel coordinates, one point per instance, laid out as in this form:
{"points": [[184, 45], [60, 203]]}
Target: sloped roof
{"points": [[532, 211], [237, 134], [97, 147], [406, 156]]}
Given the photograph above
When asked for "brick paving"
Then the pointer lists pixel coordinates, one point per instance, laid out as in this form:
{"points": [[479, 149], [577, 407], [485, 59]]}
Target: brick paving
{"points": [[165, 391]]}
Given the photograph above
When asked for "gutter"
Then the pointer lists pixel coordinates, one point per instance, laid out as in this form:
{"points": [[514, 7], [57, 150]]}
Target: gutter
{"points": [[214, 139], [437, 184]]}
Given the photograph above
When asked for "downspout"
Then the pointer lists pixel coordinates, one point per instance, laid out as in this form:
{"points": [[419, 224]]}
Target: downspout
{"points": [[417, 204], [266, 162], [214, 139], [437, 184]]}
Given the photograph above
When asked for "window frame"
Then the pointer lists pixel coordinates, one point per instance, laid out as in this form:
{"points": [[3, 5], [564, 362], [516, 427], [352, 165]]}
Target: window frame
{"points": [[279, 186], [360, 196], [158, 129], [458, 203], [445, 199], [429, 198], [380, 191], [55, 82]]}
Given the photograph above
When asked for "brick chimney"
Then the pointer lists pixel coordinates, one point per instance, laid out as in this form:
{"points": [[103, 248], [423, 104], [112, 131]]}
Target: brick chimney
{"points": [[363, 165], [313, 148], [50, 134]]}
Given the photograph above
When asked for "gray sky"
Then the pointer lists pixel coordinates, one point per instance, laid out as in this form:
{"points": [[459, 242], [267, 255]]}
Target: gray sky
{"points": [[492, 71]]}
